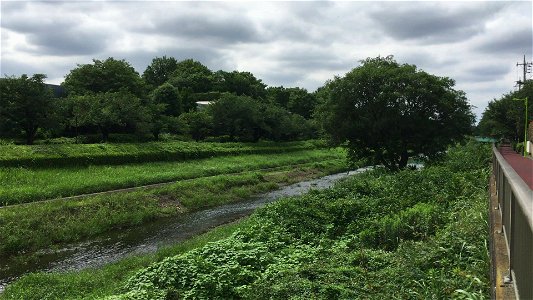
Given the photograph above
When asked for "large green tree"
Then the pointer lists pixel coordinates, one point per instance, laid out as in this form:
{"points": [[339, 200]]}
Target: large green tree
{"points": [[110, 110], [160, 71], [26, 104], [239, 117], [240, 83], [388, 112], [109, 75], [504, 117]]}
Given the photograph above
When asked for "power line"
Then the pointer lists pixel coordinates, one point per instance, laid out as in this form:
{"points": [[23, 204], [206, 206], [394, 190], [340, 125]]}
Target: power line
{"points": [[527, 67]]}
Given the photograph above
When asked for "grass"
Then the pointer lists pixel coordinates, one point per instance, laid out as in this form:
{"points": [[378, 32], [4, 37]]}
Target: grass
{"points": [[407, 235], [22, 185], [43, 224], [107, 280], [109, 153]]}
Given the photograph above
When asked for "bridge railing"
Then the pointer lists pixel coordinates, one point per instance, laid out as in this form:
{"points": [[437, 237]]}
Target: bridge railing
{"points": [[515, 201]]}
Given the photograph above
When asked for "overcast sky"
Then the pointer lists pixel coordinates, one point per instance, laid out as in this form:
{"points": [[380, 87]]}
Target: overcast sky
{"points": [[283, 43]]}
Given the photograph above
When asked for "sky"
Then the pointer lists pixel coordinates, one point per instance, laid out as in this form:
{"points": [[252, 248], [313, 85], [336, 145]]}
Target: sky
{"points": [[304, 44]]}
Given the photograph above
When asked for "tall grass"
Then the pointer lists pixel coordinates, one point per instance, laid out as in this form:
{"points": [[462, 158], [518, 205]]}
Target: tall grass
{"points": [[21, 185], [42, 224], [379, 236], [44, 156]]}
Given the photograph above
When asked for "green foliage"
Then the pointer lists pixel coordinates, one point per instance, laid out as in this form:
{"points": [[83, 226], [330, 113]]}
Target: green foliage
{"points": [[190, 77], [369, 237], [169, 96], [107, 110], [160, 70], [41, 224], [69, 155], [110, 75], [503, 118], [295, 100], [240, 84], [198, 124], [26, 105], [390, 112]]}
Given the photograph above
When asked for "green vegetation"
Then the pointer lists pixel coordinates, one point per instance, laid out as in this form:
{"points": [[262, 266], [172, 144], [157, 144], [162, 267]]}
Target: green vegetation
{"points": [[109, 97], [388, 112], [96, 283], [504, 117], [44, 224], [57, 155], [22, 185], [379, 235]]}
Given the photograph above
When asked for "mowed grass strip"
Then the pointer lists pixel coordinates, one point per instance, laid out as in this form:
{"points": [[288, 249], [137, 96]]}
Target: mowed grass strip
{"points": [[42, 224], [66, 155], [22, 185]]}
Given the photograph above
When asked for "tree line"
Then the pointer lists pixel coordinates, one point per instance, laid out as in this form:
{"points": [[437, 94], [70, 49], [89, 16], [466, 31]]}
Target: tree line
{"points": [[109, 96], [504, 117], [381, 111]]}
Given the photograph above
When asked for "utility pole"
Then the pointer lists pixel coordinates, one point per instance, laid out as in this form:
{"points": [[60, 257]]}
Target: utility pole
{"points": [[527, 69]]}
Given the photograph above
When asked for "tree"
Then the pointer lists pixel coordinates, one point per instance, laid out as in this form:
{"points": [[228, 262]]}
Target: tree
{"points": [[109, 110], [236, 116], [169, 96], [301, 102], [504, 117], [110, 75], [193, 76], [26, 104], [240, 84], [389, 112], [160, 71], [198, 124]]}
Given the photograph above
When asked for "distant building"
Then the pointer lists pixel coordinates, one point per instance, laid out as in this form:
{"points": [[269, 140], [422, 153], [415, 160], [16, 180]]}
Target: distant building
{"points": [[200, 105]]}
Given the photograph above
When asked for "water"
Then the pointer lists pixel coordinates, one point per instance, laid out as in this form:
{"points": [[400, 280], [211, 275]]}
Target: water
{"points": [[149, 238]]}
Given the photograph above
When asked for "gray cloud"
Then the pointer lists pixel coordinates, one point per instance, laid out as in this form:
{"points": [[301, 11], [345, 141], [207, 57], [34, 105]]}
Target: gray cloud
{"points": [[68, 42], [433, 24], [516, 42], [484, 72], [283, 43], [204, 27]]}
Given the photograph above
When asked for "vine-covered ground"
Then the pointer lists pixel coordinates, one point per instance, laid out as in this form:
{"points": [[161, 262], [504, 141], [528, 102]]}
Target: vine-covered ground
{"points": [[380, 235], [413, 234]]}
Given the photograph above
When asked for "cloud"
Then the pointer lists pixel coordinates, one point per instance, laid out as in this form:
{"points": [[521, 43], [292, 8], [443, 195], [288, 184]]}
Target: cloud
{"points": [[283, 43], [518, 42], [431, 23]]}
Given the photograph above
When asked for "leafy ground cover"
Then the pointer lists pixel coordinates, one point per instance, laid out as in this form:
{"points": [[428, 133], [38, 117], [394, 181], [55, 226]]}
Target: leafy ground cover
{"points": [[406, 235], [22, 185], [43, 224], [68, 155]]}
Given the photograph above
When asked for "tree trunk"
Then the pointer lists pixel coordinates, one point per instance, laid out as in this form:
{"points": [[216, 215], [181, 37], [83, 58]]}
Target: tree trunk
{"points": [[30, 134], [105, 133], [403, 160]]}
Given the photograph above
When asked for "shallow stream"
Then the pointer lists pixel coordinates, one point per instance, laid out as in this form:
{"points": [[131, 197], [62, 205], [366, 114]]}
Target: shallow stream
{"points": [[148, 238]]}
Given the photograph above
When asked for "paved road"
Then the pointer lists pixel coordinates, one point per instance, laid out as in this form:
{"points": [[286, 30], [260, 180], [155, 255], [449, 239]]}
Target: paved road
{"points": [[522, 165]]}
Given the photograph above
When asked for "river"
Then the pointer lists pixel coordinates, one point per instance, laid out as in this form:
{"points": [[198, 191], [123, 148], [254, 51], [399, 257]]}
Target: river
{"points": [[148, 238]]}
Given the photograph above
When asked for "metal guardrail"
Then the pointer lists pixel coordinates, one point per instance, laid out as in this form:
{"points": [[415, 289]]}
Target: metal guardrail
{"points": [[515, 200]]}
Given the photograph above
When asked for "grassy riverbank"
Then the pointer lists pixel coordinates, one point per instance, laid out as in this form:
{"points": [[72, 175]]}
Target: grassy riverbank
{"points": [[412, 234], [22, 185], [45, 156], [43, 224]]}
